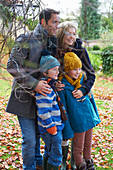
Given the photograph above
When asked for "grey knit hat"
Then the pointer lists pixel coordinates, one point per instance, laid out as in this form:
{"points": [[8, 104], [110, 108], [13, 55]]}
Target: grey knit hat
{"points": [[47, 62]]}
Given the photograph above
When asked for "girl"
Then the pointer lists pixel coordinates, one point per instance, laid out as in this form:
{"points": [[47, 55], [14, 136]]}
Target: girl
{"points": [[66, 35], [80, 112]]}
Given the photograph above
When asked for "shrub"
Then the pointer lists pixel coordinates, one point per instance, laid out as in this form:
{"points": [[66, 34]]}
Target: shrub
{"points": [[107, 60], [95, 60], [89, 48], [96, 47]]}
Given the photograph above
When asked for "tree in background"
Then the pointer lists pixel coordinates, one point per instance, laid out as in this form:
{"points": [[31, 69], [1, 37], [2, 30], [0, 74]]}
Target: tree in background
{"points": [[16, 17], [107, 18], [89, 20]]}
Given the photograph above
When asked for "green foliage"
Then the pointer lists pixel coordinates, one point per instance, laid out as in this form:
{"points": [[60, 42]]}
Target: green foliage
{"points": [[107, 60], [96, 47], [106, 38], [89, 20], [89, 48], [5, 15], [107, 23], [31, 23], [95, 60], [10, 43]]}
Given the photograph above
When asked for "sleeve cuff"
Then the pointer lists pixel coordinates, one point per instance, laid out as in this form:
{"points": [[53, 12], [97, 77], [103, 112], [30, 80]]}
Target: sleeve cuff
{"points": [[36, 83], [52, 130], [84, 91]]}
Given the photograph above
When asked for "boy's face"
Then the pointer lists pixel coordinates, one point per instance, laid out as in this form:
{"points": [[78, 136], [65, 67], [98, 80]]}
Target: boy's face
{"points": [[52, 25], [74, 74], [53, 72]]}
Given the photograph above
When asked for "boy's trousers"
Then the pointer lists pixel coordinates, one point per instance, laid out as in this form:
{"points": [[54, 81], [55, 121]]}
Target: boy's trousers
{"points": [[53, 149]]}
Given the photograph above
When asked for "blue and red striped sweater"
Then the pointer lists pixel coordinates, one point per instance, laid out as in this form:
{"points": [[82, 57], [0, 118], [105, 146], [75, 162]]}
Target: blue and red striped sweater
{"points": [[49, 116]]}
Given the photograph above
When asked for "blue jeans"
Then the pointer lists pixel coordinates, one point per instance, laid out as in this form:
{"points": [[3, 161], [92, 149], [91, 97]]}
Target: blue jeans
{"points": [[53, 149], [30, 144]]}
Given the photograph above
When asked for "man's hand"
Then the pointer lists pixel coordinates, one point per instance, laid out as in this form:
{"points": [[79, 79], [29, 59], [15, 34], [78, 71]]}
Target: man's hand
{"points": [[59, 86], [43, 88], [77, 94]]}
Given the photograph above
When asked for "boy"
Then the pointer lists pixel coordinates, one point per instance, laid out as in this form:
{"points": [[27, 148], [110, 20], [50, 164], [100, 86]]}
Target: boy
{"points": [[49, 116]]}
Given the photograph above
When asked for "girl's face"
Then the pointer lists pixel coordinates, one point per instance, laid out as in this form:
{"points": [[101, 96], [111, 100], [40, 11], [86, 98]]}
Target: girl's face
{"points": [[53, 72], [69, 37], [74, 74]]}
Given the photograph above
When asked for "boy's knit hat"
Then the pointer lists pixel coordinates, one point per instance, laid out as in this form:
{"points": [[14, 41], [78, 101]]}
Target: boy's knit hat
{"points": [[71, 61], [47, 61]]}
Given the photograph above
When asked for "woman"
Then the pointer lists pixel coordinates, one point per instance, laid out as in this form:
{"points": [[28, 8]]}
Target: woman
{"points": [[66, 35]]}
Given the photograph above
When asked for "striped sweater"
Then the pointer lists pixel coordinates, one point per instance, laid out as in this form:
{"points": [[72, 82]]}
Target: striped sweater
{"points": [[49, 116]]}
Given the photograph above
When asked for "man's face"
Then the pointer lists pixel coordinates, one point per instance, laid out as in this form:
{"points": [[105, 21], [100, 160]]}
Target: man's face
{"points": [[52, 25]]}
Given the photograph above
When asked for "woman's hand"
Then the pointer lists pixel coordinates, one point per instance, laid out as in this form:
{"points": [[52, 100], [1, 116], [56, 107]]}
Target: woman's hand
{"points": [[77, 94], [43, 88], [59, 86]]}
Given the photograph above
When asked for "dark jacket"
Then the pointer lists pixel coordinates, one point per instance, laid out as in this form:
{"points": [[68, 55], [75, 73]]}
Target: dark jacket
{"points": [[23, 65], [86, 65]]}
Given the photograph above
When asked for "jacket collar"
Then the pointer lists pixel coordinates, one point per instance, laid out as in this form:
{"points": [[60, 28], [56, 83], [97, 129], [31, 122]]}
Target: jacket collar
{"points": [[39, 30]]}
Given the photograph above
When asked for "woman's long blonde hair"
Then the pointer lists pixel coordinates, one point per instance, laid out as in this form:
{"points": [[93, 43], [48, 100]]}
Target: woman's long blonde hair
{"points": [[62, 28]]}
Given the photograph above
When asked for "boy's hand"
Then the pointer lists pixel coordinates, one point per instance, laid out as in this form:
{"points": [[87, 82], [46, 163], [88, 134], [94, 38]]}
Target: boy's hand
{"points": [[54, 133], [77, 94], [59, 86], [43, 88]]}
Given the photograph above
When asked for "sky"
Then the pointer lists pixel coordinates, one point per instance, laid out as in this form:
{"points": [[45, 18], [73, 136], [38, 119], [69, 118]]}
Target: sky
{"points": [[73, 5], [64, 6]]}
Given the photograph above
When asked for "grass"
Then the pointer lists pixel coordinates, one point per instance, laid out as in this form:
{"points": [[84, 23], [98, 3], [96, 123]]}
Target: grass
{"points": [[5, 83]]}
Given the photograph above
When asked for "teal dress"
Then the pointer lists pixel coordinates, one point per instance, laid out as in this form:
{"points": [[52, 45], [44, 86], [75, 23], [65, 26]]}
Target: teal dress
{"points": [[82, 113]]}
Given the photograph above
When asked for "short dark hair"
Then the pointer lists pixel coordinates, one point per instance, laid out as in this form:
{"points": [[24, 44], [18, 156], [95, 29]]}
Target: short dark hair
{"points": [[46, 14]]}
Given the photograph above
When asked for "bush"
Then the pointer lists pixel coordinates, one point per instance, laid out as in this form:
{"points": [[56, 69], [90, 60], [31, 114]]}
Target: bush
{"points": [[89, 48], [107, 60], [96, 47], [95, 60]]}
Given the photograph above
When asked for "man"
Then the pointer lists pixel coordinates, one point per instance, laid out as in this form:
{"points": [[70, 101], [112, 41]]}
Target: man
{"points": [[23, 66]]}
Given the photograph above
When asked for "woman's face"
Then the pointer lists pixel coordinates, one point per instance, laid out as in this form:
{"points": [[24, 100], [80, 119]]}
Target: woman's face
{"points": [[69, 37]]}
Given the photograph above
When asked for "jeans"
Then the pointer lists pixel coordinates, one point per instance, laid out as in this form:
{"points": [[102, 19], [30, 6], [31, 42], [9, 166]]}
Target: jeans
{"points": [[53, 149], [30, 144]]}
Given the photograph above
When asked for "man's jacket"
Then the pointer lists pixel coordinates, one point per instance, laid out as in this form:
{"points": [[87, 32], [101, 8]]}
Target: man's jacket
{"points": [[23, 65]]}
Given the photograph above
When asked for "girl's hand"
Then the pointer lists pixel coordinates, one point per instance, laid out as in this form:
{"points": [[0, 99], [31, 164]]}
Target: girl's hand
{"points": [[59, 86], [77, 94]]}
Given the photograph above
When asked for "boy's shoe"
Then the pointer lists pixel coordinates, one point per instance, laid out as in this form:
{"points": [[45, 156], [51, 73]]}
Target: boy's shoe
{"points": [[90, 164], [51, 167], [39, 168], [64, 159], [45, 162], [82, 166]]}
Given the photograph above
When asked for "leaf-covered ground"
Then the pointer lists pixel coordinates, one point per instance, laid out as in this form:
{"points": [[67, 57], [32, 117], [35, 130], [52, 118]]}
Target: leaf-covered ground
{"points": [[102, 146]]}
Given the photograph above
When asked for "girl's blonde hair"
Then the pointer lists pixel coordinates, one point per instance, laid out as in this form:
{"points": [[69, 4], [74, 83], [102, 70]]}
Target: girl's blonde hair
{"points": [[62, 28]]}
